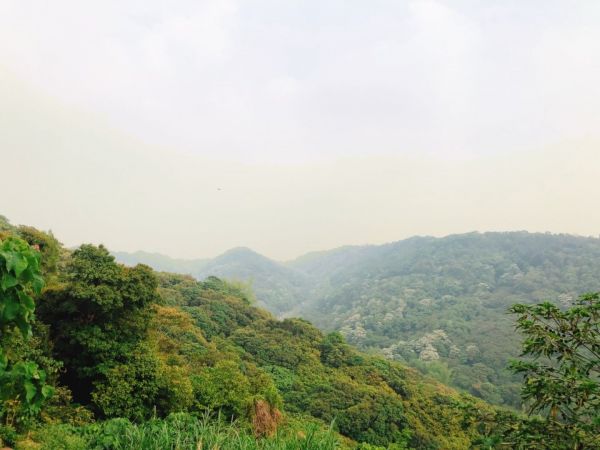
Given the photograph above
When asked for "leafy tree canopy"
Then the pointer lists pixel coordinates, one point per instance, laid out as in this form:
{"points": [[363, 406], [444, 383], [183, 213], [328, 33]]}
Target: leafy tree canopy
{"points": [[103, 309]]}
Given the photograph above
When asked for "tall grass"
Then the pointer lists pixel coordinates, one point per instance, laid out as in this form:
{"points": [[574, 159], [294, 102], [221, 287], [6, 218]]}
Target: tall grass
{"points": [[181, 432]]}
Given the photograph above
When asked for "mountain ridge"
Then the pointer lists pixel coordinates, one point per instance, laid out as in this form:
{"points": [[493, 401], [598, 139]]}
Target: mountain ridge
{"points": [[298, 260], [438, 304]]}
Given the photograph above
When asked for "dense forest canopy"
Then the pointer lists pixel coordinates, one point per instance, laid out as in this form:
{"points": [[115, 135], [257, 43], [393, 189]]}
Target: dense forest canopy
{"points": [[96, 354], [125, 342], [438, 304]]}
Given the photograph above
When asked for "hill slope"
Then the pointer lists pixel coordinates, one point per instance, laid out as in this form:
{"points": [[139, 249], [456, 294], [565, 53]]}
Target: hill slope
{"points": [[278, 287], [371, 399], [438, 304], [127, 344]]}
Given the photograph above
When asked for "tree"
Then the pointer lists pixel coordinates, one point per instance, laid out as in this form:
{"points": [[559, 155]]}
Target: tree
{"points": [[99, 316], [334, 350], [130, 389], [562, 372], [23, 387], [223, 388], [46, 244]]}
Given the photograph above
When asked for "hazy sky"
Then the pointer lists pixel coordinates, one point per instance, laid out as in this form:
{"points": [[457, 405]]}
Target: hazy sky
{"points": [[189, 127]]}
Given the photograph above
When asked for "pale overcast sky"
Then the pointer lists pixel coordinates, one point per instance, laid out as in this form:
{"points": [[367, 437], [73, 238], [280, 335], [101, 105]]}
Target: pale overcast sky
{"points": [[189, 127]]}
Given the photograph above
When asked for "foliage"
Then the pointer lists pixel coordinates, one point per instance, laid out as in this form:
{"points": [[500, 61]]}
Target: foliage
{"points": [[129, 389], [427, 302], [46, 244], [238, 356], [336, 353], [562, 376], [274, 285], [180, 431], [223, 387], [368, 398], [139, 347], [60, 409], [560, 386], [103, 310], [20, 277], [23, 387]]}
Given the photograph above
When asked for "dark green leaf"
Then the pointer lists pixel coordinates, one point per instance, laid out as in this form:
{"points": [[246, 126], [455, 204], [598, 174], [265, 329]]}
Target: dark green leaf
{"points": [[30, 391]]}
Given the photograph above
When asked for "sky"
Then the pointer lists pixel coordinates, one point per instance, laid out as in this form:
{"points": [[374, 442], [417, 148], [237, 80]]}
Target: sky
{"points": [[190, 127]]}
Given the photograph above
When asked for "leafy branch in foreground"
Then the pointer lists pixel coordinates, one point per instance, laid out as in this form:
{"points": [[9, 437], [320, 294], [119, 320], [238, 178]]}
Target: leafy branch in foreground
{"points": [[23, 386], [561, 382], [562, 372]]}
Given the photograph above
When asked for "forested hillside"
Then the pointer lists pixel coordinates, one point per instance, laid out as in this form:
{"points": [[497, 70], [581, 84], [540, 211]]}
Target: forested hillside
{"points": [[98, 355], [123, 357], [438, 304]]}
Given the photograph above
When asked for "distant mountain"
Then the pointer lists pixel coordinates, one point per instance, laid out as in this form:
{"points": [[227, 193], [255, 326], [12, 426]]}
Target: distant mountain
{"points": [[439, 304], [160, 262], [277, 287]]}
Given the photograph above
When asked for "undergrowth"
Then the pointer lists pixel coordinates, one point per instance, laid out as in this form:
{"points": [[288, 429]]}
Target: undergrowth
{"points": [[176, 432]]}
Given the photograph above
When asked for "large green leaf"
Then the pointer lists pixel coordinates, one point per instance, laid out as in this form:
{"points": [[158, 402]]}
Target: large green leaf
{"points": [[24, 327], [47, 391], [8, 281], [12, 306], [15, 262], [38, 283], [27, 275], [30, 391], [26, 301]]}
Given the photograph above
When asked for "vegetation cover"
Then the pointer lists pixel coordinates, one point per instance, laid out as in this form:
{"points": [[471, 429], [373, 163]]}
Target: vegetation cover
{"points": [[436, 304], [124, 357]]}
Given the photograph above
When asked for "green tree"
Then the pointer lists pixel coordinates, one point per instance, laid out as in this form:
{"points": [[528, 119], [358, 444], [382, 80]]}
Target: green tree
{"points": [[46, 244], [223, 388], [334, 350], [99, 316], [23, 387], [130, 389], [562, 372]]}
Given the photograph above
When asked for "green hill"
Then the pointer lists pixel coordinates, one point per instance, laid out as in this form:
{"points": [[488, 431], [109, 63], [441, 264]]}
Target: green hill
{"points": [[277, 287], [438, 304], [136, 358]]}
